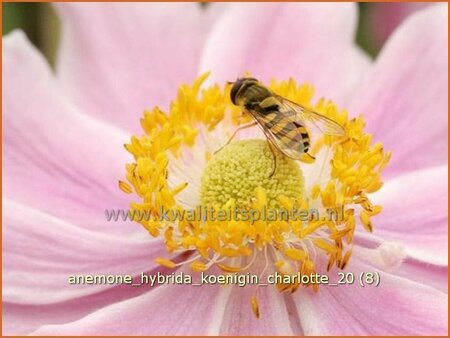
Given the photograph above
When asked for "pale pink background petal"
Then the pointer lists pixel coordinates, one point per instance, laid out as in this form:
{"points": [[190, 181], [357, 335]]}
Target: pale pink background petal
{"points": [[115, 64], [40, 252], [109, 86], [42, 227], [239, 319], [397, 306], [424, 273], [405, 99], [168, 310], [57, 159], [26, 318], [312, 42], [415, 213], [392, 257], [224, 310]]}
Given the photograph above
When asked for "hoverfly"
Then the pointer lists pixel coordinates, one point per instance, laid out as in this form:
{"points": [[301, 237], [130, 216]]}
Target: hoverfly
{"points": [[282, 121]]}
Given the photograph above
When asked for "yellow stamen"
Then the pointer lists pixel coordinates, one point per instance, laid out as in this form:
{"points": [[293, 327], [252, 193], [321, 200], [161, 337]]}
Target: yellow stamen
{"points": [[338, 183], [345, 259], [365, 219], [165, 262], [125, 187], [255, 306], [295, 254], [228, 268], [324, 245], [198, 266], [179, 188]]}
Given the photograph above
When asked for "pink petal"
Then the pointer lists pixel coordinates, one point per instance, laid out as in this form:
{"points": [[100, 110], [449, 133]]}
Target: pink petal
{"points": [[208, 309], [424, 273], [397, 306], [239, 320], [41, 252], [22, 319], [56, 159], [415, 213], [170, 309], [406, 97], [312, 42], [431, 275], [118, 59]]}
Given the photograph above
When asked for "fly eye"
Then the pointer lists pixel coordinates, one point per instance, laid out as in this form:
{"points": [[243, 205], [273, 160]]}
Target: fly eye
{"points": [[236, 86]]}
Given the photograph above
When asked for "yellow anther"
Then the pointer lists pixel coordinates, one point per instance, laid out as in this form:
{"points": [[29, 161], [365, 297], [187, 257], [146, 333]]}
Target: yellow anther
{"points": [[365, 220], [198, 266], [375, 186], [331, 262], [315, 191], [339, 234], [284, 267], [228, 268], [165, 262], [295, 254], [385, 161], [255, 306], [345, 259], [179, 188], [325, 245], [376, 210], [167, 197], [125, 187], [313, 226]]}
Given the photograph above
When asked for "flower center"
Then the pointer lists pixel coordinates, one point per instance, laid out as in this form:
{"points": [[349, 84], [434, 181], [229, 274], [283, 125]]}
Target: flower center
{"points": [[338, 184], [240, 167]]}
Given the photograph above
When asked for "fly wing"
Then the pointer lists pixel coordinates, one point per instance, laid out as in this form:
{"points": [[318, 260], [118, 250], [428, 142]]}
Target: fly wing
{"points": [[312, 119], [283, 131]]}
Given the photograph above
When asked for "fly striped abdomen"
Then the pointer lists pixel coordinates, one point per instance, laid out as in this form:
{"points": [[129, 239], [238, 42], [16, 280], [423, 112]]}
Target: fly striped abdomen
{"points": [[292, 134]]}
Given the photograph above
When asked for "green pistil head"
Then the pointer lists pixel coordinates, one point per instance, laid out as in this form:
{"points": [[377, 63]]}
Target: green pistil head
{"points": [[239, 168]]}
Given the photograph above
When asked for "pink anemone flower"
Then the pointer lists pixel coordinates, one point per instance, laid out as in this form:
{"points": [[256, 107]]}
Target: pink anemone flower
{"points": [[63, 136]]}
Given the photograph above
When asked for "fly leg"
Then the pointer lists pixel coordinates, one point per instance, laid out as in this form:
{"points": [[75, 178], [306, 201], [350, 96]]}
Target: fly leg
{"points": [[272, 149], [245, 126]]}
